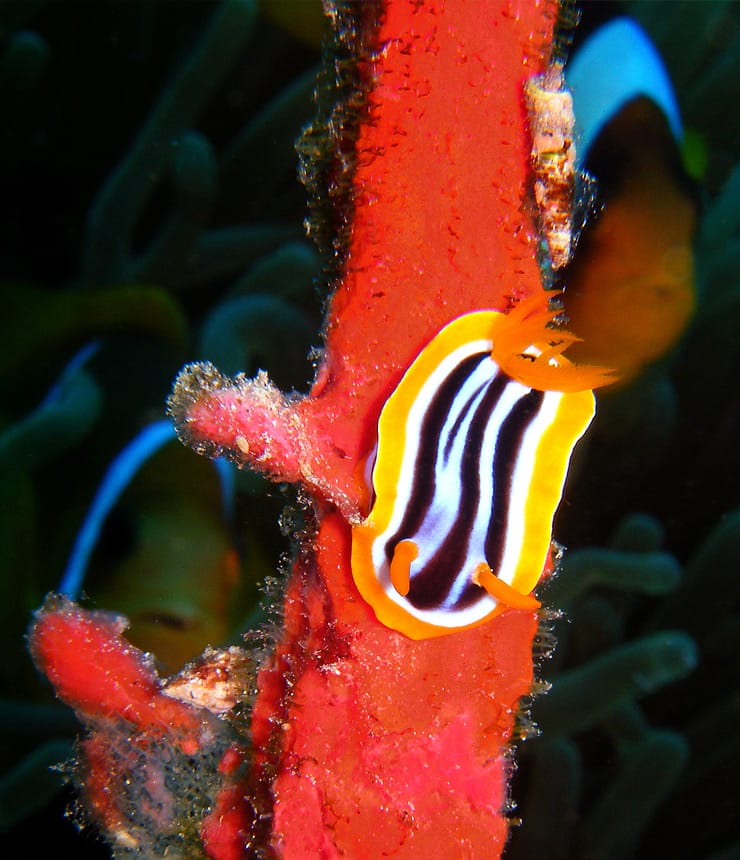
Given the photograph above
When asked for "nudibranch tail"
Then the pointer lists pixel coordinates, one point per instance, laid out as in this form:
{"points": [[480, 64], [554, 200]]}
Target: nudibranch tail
{"points": [[469, 470], [503, 593]]}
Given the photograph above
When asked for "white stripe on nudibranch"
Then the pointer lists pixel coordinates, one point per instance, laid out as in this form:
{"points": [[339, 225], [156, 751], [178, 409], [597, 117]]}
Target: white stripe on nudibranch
{"points": [[474, 555], [461, 518], [522, 481]]}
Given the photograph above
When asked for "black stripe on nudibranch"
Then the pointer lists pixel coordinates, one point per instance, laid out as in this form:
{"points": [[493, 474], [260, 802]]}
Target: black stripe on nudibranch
{"points": [[508, 448], [422, 492]]}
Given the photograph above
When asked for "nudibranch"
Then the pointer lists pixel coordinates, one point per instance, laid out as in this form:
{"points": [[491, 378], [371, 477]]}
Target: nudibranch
{"points": [[473, 450]]}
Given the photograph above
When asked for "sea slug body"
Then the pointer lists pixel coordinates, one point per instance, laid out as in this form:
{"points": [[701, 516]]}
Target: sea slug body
{"points": [[468, 472]]}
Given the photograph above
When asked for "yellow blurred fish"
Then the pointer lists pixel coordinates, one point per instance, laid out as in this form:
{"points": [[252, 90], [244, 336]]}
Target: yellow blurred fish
{"points": [[179, 576], [630, 289]]}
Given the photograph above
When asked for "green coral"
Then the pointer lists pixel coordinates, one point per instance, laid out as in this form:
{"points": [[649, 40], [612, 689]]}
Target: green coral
{"points": [[638, 754], [150, 173]]}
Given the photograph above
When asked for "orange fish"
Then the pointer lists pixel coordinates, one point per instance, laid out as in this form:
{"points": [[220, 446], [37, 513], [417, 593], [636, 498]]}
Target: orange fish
{"points": [[630, 289]]}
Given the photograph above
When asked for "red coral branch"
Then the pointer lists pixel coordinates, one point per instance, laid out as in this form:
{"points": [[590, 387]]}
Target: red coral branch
{"points": [[378, 745], [97, 672], [440, 226], [366, 743], [386, 744], [151, 764]]}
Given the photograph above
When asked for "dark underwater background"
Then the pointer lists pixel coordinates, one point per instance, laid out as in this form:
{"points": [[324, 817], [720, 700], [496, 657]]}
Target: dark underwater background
{"points": [[152, 215]]}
